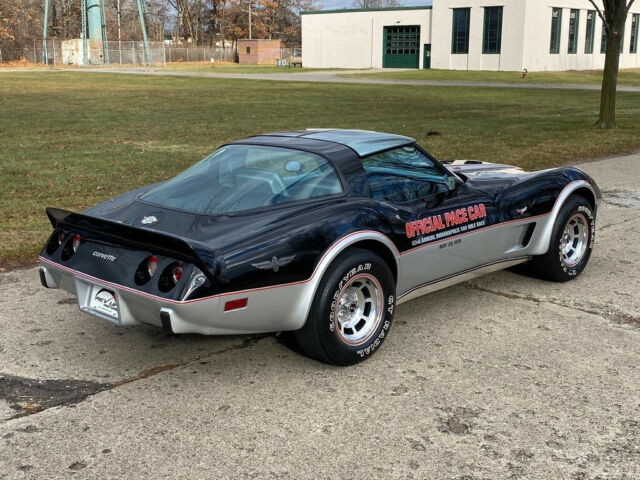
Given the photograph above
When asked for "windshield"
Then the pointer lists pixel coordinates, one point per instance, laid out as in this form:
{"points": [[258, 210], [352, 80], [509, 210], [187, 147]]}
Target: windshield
{"points": [[245, 177]]}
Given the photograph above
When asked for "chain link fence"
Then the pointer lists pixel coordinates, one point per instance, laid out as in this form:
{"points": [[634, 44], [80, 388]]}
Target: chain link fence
{"points": [[71, 52], [200, 54]]}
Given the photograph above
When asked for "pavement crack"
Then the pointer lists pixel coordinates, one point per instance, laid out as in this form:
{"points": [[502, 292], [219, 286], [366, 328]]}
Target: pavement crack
{"points": [[30, 396], [609, 225], [622, 198], [246, 343], [606, 312]]}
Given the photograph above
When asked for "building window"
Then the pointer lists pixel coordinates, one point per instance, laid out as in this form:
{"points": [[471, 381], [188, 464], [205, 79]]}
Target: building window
{"points": [[635, 24], [556, 22], [460, 35], [591, 30], [574, 23], [492, 36], [248, 49]]}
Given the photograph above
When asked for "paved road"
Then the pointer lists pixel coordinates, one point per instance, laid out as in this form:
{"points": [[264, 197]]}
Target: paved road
{"points": [[502, 377], [333, 77], [347, 77]]}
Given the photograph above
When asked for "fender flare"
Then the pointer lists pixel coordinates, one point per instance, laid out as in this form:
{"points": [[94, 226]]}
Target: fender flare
{"points": [[339, 246], [541, 245]]}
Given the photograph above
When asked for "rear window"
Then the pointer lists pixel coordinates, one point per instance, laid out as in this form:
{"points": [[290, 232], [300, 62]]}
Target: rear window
{"points": [[244, 177]]}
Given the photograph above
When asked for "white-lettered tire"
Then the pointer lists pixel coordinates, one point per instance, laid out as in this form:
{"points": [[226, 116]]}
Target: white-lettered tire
{"points": [[352, 310], [571, 243]]}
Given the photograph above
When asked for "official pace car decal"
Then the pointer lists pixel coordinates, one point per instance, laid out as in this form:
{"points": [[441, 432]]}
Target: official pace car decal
{"points": [[447, 224]]}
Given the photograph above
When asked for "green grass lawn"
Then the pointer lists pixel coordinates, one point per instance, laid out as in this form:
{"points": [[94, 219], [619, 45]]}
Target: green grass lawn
{"points": [[592, 77], [72, 139]]}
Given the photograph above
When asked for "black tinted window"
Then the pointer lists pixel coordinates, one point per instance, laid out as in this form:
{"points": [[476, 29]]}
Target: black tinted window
{"points": [[402, 175]]}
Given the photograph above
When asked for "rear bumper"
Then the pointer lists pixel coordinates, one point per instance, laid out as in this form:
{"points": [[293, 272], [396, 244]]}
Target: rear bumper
{"points": [[266, 310]]}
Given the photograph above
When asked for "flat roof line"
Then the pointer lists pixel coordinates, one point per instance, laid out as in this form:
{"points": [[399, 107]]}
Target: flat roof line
{"points": [[351, 10]]}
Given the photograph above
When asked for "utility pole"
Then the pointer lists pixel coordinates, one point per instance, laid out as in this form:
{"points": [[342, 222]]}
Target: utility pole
{"points": [[249, 10], [85, 42], [119, 19]]}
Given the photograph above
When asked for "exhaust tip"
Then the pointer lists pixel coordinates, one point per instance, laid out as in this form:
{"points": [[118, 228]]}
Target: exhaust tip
{"points": [[43, 278], [165, 319]]}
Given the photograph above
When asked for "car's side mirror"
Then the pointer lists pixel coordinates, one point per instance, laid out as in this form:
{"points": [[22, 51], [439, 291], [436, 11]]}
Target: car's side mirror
{"points": [[451, 183]]}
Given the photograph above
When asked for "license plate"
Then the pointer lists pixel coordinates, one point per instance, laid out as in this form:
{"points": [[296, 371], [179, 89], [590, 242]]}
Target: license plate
{"points": [[104, 301]]}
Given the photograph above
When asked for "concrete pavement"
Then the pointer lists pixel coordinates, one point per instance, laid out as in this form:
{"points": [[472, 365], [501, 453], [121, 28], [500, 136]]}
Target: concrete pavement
{"points": [[348, 76], [502, 377]]}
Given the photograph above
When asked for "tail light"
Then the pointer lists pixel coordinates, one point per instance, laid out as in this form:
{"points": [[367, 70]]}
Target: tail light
{"points": [[57, 239], [146, 269], [171, 276], [178, 270], [152, 266], [70, 246]]}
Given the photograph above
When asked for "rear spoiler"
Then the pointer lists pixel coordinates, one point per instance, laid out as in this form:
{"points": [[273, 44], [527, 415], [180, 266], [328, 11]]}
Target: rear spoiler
{"points": [[141, 238]]}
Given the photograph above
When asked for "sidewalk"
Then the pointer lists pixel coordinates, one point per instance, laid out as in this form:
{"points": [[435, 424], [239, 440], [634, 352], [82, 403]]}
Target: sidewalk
{"points": [[343, 76]]}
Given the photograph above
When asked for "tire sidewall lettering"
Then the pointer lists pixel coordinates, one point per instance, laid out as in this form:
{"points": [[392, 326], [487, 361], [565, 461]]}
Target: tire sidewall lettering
{"points": [[388, 307], [592, 224], [575, 270]]}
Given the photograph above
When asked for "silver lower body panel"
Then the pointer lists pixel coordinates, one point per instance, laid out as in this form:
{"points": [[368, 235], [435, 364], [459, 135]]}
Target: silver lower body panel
{"points": [[267, 310], [458, 278]]}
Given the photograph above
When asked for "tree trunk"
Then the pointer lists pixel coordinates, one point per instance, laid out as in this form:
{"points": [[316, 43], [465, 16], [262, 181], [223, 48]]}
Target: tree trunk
{"points": [[609, 83], [615, 15]]}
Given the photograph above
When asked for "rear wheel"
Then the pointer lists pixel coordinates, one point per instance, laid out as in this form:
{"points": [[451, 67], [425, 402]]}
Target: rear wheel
{"points": [[352, 310], [571, 243]]}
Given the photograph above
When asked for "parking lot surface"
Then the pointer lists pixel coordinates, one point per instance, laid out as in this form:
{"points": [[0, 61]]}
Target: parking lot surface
{"points": [[501, 377]]}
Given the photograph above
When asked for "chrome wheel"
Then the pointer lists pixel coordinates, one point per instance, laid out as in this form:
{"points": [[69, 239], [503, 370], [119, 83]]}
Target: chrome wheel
{"points": [[358, 309], [573, 242]]}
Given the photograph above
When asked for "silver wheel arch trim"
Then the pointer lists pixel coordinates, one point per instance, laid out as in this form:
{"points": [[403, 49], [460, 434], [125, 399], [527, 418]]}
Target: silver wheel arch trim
{"points": [[310, 289], [541, 246]]}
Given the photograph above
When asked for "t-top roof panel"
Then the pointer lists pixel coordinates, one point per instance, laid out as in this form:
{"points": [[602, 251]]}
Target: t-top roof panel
{"points": [[364, 142]]}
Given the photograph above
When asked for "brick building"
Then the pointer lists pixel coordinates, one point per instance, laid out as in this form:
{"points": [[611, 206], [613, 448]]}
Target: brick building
{"points": [[258, 52]]}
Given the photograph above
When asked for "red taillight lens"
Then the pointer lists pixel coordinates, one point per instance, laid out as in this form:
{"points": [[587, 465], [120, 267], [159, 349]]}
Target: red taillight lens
{"points": [[178, 270], [152, 266], [236, 304], [76, 242], [60, 238]]}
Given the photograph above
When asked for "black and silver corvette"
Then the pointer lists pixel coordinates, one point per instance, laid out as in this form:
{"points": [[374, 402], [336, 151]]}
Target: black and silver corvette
{"points": [[318, 232]]}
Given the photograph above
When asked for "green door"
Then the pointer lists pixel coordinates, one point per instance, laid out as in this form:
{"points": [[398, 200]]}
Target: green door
{"points": [[401, 46], [426, 60]]}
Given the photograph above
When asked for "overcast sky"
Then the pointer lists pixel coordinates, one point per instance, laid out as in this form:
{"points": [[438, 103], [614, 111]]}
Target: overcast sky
{"points": [[337, 4]]}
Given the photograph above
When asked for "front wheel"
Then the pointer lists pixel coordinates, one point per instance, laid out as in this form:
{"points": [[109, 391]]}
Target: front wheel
{"points": [[352, 310], [571, 243]]}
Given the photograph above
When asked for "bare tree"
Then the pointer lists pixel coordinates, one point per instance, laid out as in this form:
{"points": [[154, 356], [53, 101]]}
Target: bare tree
{"points": [[613, 15]]}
